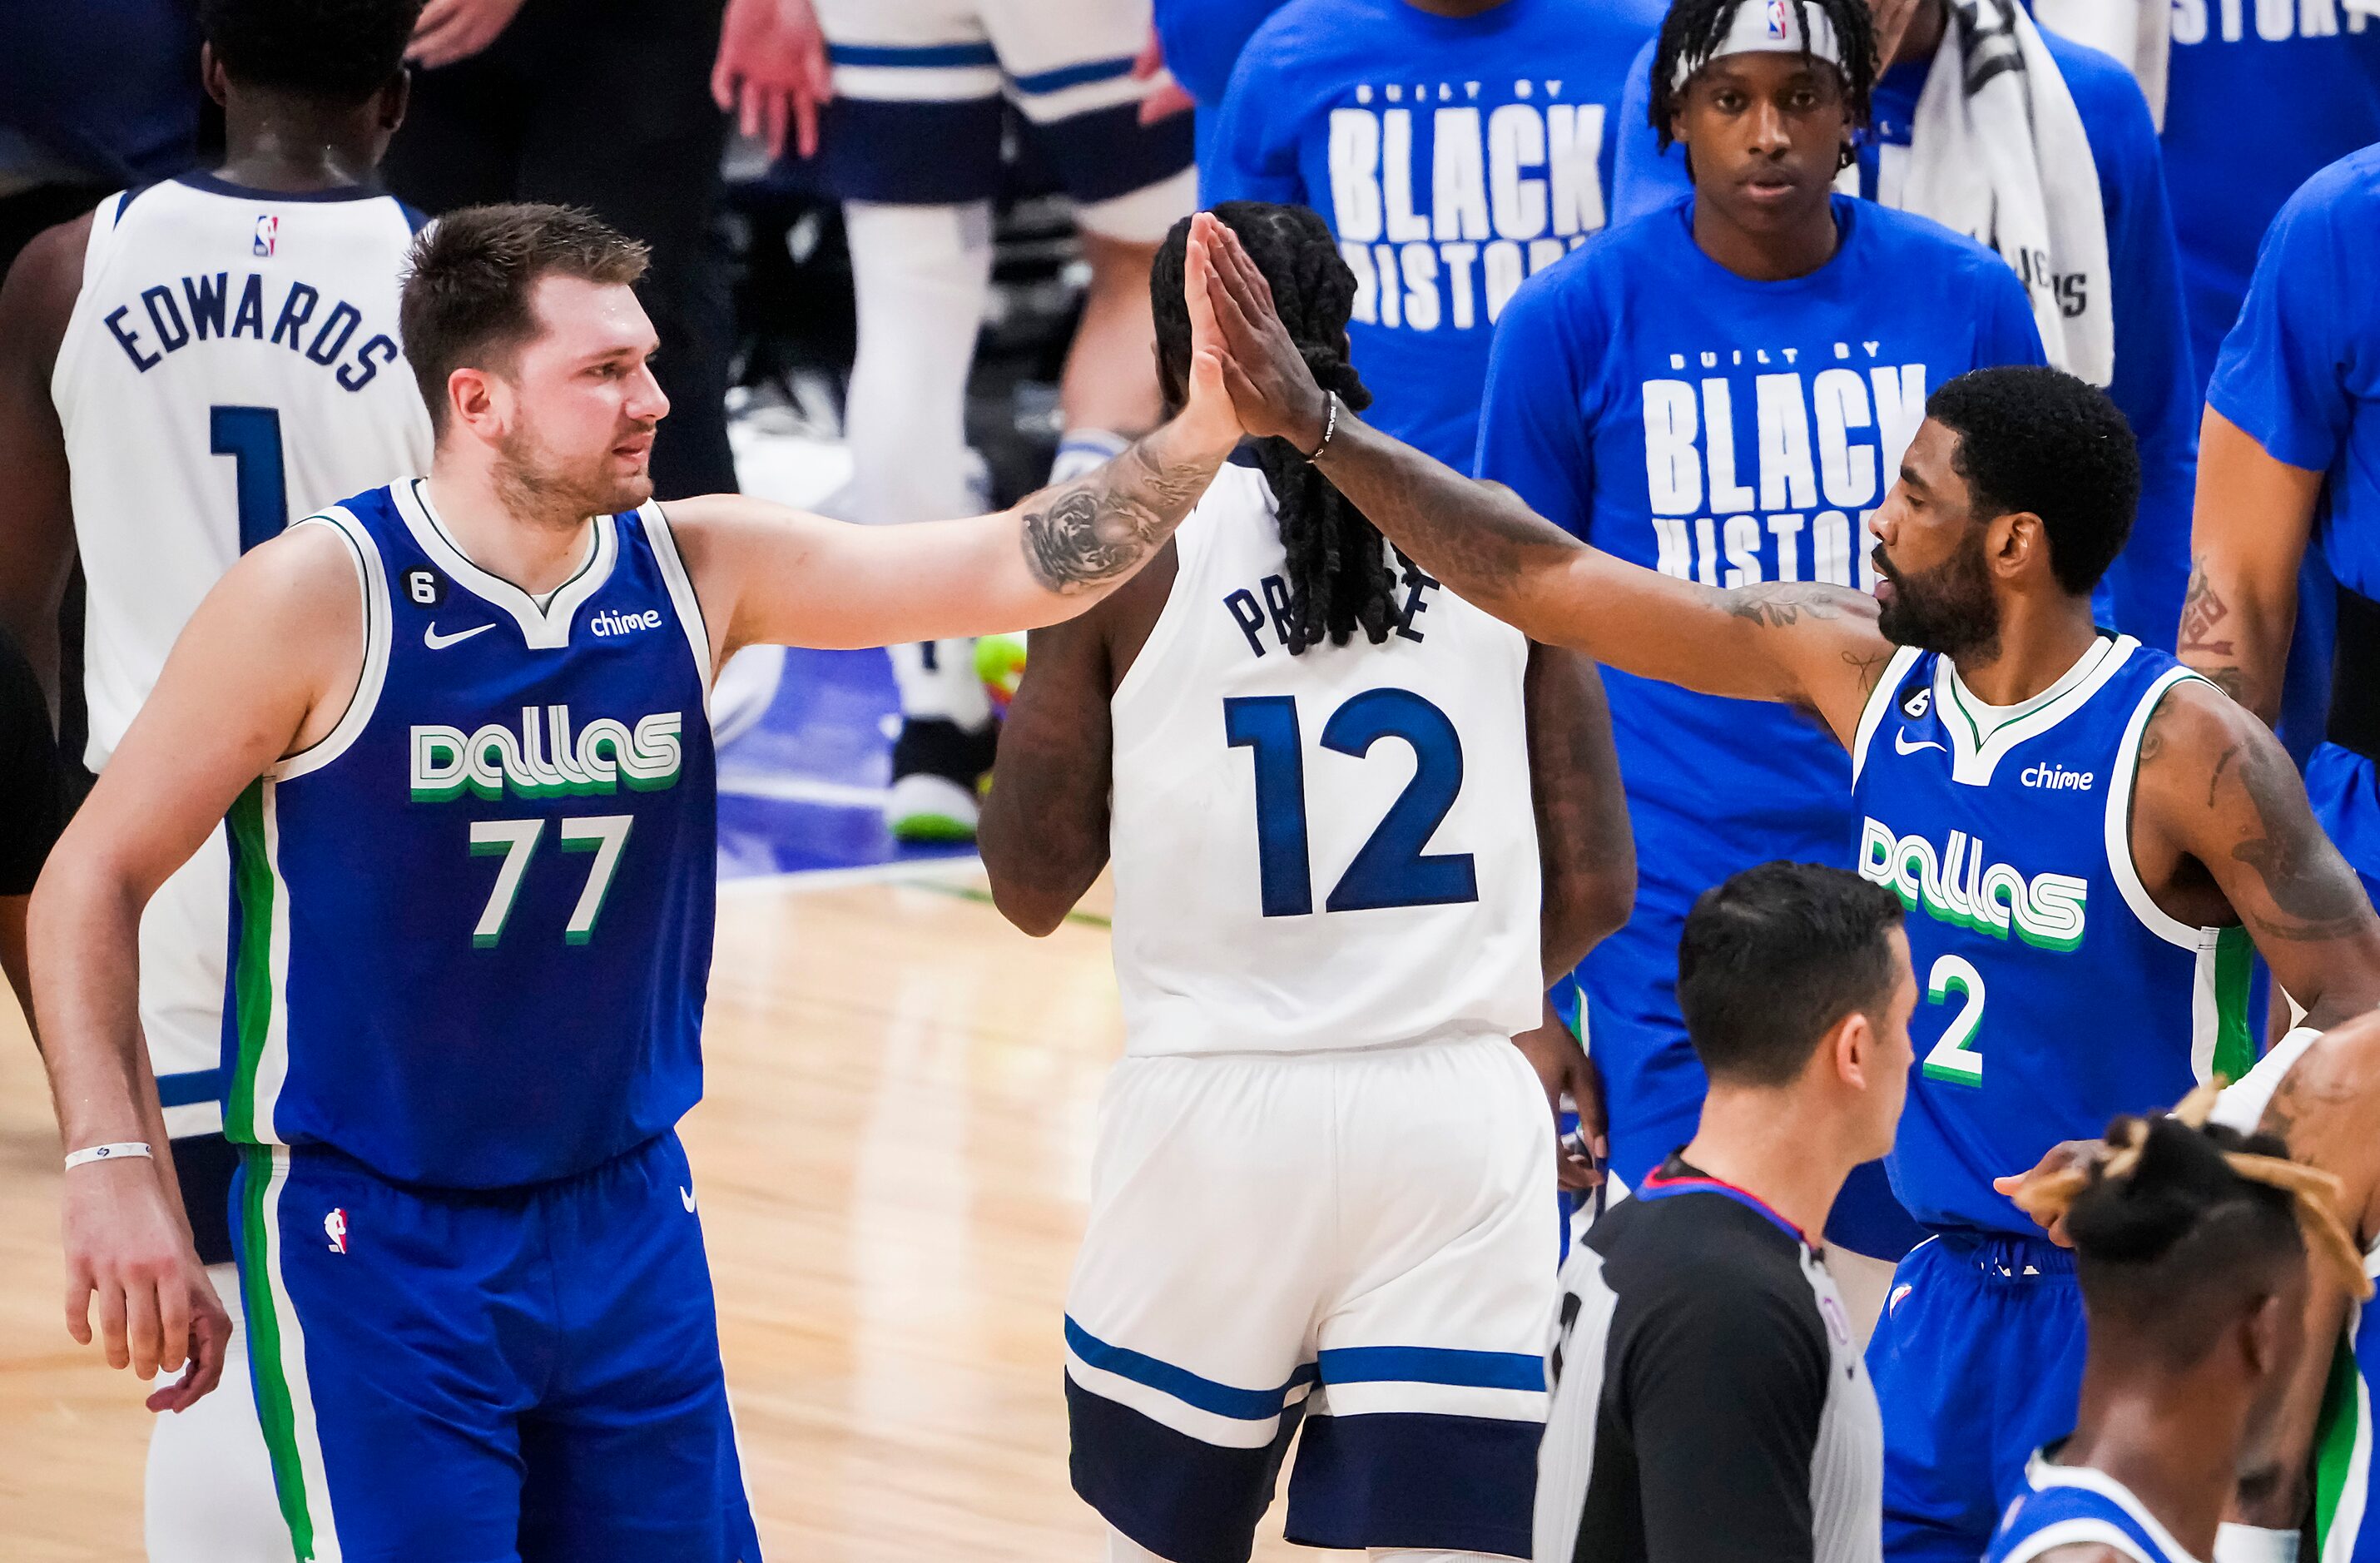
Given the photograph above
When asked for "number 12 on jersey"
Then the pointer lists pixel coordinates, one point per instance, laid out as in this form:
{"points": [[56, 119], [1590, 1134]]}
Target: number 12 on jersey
{"points": [[1391, 869]]}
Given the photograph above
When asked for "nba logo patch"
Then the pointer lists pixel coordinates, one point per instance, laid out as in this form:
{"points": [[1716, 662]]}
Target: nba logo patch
{"points": [[334, 1226], [1776, 18], [268, 230]]}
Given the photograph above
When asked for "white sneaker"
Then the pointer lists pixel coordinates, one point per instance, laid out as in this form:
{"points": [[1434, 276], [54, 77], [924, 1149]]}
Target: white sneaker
{"points": [[923, 806]]}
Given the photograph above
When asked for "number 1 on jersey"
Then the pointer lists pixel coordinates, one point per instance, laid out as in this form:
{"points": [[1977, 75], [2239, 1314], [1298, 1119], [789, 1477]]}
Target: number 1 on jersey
{"points": [[251, 437]]}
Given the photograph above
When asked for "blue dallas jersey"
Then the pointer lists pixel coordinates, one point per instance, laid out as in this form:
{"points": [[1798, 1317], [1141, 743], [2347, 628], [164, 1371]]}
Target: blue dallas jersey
{"points": [[2056, 995], [471, 928], [2079, 1506], [1645, 398], [2156, 386], [1451, 156]]}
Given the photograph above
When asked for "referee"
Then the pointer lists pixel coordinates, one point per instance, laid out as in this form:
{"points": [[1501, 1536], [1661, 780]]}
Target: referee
{"points": [[1709, 1404]]}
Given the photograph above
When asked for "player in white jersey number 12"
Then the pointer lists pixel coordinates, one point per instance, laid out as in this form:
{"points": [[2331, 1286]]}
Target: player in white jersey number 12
{"points": [[1356, 826]]}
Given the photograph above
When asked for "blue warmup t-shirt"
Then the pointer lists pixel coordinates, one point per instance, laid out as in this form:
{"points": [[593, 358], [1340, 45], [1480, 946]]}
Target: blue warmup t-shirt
{"points": [[1451, 156], [2156, 382], [2260, 95], [1649, 400], [2299, 374]]}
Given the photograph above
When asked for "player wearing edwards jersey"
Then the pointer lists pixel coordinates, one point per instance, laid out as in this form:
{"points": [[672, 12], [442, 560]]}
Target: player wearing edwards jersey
{"points": [[2080, 942], [458, 725], [1721, 391], [1334, 791]]}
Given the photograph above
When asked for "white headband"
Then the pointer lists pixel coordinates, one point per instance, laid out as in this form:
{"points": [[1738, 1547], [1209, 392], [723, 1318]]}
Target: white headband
{"points": [[1768, 27]]}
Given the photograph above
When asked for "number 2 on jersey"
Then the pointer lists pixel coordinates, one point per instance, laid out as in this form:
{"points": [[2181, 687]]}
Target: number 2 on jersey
{"points": [[602, 834], [251, 437], [1954, 1058], [1391, 869]]}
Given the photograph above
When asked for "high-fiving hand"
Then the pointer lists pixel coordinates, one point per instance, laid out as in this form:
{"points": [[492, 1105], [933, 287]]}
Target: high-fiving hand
{"points": [[1271, 389]]}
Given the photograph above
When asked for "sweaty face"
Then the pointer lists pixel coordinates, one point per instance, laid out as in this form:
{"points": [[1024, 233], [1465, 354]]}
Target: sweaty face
{"points": [[582, 403], [1765, 133], [1934, 586]]}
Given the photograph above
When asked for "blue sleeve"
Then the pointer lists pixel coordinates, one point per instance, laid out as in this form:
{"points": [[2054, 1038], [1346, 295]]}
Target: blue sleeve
{"points": [[2155, 384], [1203, 40], [1533, 437], [2280, 376], [1644, 177], [1253, 154]]}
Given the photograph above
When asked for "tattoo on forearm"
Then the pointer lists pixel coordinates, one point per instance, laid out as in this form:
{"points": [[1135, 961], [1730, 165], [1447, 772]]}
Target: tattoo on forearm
{"points": [[1480, 539], [1780, 603], [2203, 609], [1102, 526], [2314, 895]]}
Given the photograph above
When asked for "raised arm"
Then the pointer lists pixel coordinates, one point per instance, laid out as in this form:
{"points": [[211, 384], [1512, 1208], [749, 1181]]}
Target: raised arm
{"points": [[1809, 644], [2215, 787], [2247, 538], [263, 668], [768, 574], [37, 541]]}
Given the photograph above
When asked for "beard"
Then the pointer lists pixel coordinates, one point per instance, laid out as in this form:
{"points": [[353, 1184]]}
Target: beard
{"points": [[537, 482], [1948, 609]]}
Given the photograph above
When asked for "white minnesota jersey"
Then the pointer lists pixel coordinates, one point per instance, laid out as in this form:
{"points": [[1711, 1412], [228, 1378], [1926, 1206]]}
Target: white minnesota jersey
{"points": [[1331, 850], [232, 364]]}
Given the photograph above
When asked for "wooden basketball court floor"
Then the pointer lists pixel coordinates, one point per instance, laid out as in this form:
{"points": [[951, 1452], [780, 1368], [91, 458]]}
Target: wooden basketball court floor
{"points": [[892, 1161]]}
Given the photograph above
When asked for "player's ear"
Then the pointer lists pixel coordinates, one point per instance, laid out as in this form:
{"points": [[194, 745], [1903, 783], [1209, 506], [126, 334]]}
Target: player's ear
{"points": [[211, 74], [394, 98], [2265, 1333], [471, 401], [2017, 541]]}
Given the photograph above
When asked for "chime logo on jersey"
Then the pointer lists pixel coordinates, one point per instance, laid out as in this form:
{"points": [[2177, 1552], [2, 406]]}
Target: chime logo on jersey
{"points": [[1959, 886], [545, 758]]}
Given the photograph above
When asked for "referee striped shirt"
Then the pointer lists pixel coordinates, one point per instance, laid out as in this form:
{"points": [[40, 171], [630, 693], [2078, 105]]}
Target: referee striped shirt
{"points": [[1708, 1404]]}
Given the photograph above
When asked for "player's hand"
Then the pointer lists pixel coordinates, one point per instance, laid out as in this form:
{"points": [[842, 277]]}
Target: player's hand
{"points": [[1167, 98], [773, 71], [2066, 1154], [456, 29], [1209, 417], [128, 1253], [1565, 1071], [1270, 384]]}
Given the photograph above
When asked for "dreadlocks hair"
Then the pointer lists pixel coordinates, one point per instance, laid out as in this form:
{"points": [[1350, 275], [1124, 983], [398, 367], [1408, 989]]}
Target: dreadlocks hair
{"points": [[1338, 576], [2171, 1216], [1693, 27]]}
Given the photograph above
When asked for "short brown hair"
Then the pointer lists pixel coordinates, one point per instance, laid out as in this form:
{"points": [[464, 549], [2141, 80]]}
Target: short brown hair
{"points": [[468, 280]]}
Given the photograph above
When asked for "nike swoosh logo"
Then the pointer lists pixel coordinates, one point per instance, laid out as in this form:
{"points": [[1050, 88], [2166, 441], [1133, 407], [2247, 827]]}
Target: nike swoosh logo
{"points": [[1900, 743], [436, 642], [685, 1196]]}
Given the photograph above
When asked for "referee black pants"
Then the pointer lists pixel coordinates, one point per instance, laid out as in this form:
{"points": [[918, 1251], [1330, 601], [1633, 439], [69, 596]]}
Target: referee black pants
{"points": [[604, 104]]}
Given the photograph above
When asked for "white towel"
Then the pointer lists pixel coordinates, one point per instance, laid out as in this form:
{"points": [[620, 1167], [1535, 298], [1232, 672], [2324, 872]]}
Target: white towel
{"points": [[1997, 152], [2137, 32]]}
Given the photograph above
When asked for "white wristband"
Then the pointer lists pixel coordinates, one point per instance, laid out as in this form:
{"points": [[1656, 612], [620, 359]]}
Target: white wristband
{"points": [[2246, 1544], [109, 1153]]}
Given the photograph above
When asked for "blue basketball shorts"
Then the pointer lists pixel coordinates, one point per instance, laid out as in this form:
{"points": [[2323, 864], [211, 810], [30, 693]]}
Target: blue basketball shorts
{"points": [[1977, 1362], [481, 1377], [921, 90], [1362, 1239]]}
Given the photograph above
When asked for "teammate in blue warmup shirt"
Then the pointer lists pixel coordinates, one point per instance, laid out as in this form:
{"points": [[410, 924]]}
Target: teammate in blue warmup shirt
{"points": [[2085, 825], [1202, 40], [1454, 150], [2294, 456], [472, 808], [2153, 382], [2193, 1268], [1721, 391]]}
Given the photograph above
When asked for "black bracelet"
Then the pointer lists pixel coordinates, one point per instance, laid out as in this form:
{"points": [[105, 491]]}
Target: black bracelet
{"points": [[1329, 425]]}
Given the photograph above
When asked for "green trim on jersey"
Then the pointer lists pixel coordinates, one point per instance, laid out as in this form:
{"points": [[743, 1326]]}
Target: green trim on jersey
{"points": [[254, 884], [2235, 1039], [275, 1408]]}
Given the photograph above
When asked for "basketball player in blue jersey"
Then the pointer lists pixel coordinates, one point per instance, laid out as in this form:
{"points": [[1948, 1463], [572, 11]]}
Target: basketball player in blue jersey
{"points": [[1454, 146], [1307, 923], [2094, 835], [185, 369], [458, 728], [2190, 1251], [1721, 391], [2081, 150]]}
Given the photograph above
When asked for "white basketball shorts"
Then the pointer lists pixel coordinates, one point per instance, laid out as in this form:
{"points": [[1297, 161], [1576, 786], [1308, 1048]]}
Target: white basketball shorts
{"points": [[1362, 1238]]}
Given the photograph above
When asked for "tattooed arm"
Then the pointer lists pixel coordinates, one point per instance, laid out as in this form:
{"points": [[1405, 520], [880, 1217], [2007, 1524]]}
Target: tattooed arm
{"points": [[2247, 539], [1813, 645], [2222, 831], [764, 573]]}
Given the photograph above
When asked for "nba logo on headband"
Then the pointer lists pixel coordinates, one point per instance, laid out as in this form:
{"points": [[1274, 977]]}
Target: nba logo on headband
{"points": [[1777, 18]]}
